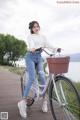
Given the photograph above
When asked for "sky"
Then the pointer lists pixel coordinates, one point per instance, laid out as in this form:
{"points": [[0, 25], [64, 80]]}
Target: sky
{"points": [[60, 23]]}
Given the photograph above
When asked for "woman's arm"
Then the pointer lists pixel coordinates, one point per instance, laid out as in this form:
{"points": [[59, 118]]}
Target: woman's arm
{"points": [[49, 46], [30, 44]]}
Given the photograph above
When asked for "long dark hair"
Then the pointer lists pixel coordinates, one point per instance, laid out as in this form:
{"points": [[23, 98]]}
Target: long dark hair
{"points": [[31, 25]]}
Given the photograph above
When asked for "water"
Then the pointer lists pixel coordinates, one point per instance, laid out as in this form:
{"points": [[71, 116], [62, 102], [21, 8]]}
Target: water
{"points": [[74, 71]]}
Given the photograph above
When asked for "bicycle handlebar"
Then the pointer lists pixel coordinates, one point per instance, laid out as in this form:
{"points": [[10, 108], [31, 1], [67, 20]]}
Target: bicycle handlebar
{"points": [[42, 49], [39, 49]]}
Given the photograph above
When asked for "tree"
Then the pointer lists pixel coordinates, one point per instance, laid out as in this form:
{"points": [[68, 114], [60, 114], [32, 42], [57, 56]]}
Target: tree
{"points": [[18, 49], [12, 48], [2, 47]]}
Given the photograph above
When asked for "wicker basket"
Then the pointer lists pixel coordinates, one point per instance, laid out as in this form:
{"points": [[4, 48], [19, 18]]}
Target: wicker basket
{"points": [[58, 65]]}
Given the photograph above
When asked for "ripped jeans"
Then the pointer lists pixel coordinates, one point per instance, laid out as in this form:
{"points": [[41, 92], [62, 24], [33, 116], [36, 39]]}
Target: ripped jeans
{"points": [[31, 59]]}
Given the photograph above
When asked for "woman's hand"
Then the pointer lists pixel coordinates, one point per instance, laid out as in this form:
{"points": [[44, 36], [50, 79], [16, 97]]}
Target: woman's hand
{"points": [[59, 50], [32, 50], [54, 49]]}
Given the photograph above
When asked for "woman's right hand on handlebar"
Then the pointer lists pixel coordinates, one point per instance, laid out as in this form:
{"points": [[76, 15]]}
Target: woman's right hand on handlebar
{"points": [[59, 50], [32, 50]]}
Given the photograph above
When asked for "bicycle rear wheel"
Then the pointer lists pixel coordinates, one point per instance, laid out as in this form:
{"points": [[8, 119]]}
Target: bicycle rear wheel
{"points": [[24, 78], [69, 106]]}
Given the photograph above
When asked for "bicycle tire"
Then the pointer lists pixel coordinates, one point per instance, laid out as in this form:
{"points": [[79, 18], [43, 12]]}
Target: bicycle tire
{"points": [[30, 100], [72, 110], [21, 80]]}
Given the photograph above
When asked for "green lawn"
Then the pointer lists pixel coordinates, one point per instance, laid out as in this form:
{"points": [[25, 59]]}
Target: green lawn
{"points": [[17, 70]]}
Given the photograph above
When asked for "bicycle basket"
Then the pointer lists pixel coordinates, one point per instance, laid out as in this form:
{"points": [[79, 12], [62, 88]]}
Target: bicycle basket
{"points": [[58, 65]]}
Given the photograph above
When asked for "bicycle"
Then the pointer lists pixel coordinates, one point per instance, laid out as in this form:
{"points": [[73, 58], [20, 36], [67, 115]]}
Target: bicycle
{"points": [[63, 96]]}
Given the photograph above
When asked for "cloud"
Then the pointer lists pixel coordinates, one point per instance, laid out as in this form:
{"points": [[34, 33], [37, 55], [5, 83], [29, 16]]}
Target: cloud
{"points": [[60, 23]]}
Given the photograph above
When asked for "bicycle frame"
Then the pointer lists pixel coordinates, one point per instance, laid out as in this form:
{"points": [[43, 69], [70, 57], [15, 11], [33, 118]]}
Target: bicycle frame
{"points": [[51, 77], [40, 94]]}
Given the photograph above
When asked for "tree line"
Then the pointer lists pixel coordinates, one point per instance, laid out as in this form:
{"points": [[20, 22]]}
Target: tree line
{"points": [[11, 49]]}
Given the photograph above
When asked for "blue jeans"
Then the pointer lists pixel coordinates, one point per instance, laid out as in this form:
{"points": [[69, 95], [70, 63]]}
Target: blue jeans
{"points": [[31, 59]]}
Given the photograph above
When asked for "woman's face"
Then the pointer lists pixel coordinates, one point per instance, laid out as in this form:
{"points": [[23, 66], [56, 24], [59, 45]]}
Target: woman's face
{"points": [[36, 28]]}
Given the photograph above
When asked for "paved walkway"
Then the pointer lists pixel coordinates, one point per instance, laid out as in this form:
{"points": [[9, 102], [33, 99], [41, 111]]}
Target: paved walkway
{"points": [[10, 93]]}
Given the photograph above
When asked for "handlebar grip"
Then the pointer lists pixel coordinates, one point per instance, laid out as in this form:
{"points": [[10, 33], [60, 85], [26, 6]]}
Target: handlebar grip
{"points": [[59, 50], [39, 49]]}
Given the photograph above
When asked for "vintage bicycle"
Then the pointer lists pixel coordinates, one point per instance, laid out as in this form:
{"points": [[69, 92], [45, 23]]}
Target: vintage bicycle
{"points": [[63, 96]]}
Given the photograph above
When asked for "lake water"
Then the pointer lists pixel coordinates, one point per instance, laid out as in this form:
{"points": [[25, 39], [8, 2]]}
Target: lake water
{"points": [[74, 71]]}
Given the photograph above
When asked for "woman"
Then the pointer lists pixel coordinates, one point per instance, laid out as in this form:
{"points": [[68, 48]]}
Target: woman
{"points": [[34, 41]]}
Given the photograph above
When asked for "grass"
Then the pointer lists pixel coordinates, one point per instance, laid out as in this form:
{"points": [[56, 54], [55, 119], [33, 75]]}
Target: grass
{"points": [[17, 70], [77, 85]]}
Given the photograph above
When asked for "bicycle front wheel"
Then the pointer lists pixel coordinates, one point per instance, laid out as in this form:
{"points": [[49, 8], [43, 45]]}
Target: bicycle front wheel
{"points": [[65, 105]]}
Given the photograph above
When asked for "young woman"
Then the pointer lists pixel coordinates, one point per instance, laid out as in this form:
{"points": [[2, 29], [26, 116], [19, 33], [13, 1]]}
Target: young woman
{"points": [[34, 41]]}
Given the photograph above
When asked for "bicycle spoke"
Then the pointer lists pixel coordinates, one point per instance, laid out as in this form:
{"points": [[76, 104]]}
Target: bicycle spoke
{"points": [[68, 108]]}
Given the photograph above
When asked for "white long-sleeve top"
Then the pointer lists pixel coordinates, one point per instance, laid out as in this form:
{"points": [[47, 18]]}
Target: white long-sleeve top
{"points": [[37, 41]]}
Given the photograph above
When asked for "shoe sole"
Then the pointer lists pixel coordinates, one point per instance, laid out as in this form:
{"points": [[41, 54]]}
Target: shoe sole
{"points": [[44, 111]]}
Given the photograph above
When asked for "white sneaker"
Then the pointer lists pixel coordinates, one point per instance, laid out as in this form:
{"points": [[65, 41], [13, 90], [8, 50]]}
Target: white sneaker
{"points": [[22, 108], [44, 106]]}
